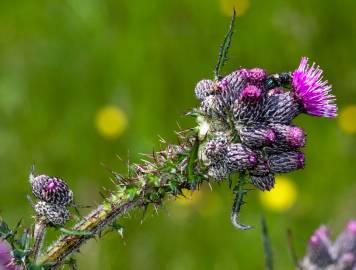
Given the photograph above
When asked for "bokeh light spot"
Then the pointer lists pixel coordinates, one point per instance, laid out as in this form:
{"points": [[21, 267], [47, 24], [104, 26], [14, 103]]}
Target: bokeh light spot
{"points": [[110, 122], [347, 119], [227, 6], [282, 197]]}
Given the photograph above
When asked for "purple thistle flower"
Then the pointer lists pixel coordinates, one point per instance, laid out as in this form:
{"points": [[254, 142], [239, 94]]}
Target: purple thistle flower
{"points": [[312, 92], [251, 92], [6, 261], [254, 75]]}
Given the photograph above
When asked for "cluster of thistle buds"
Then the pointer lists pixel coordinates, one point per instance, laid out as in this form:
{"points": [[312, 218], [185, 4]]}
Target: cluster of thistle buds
{"points": [[245, 121], [54, 198], [324, 254]]}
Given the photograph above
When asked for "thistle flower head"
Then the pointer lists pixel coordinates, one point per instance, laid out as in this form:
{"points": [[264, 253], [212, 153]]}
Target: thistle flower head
{"points": [[313, 93], [251, 92], [51, 213], [51, 189], [6, 260]]}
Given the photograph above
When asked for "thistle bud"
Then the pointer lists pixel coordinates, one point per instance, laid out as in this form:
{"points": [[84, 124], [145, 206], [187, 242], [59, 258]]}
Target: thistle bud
{"points": [[346, 242], [218, 171], [215, 150], [319, 250], [240, 157], [254, 75], [53, 214], [286, 162], [204, 88], [51, 189], [214, 106], [263, 182], [236, 82], [289, 136], [280, 108], [248, 108], [257, 136]]}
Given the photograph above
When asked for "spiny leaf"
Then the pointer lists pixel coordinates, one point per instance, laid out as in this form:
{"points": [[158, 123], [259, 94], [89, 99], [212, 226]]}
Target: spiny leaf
{"points": [[267, 246], [239, 193], [224, 48], [5, 231], [75, 232]]}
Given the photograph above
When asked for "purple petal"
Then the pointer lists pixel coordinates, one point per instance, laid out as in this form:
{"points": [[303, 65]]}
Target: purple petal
{"points": [[314, 93]]}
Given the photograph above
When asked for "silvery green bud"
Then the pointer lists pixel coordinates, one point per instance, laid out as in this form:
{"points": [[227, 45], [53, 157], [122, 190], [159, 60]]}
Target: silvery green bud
{"points": [[53, 214], [51, 189]]}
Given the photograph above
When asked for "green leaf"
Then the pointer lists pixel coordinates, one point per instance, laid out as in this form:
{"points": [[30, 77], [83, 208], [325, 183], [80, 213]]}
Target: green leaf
{"points": [[224, 48], [75, 232]]}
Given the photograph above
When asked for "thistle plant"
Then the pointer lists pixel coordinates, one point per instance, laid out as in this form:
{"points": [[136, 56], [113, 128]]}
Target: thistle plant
{"points": [[244, 129]]}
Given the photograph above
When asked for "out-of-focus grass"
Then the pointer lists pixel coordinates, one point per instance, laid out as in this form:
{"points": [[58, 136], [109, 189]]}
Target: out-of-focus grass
{"points": [[61, 62]]}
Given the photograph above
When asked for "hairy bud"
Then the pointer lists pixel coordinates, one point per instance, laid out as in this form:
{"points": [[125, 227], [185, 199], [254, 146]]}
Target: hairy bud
{"points": [[286, 162], [280, 108], [53, 214], [263, 182], [257, 136], [51, 189], [240, 157]]}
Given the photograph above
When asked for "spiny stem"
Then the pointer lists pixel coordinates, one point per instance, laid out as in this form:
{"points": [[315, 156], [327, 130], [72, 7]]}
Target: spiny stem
{"points": [[39, 233], [95, 222], [148, 183]]}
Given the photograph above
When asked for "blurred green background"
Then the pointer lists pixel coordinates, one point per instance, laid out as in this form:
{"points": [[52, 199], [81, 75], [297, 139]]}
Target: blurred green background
{"points": [[84, 81]]}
